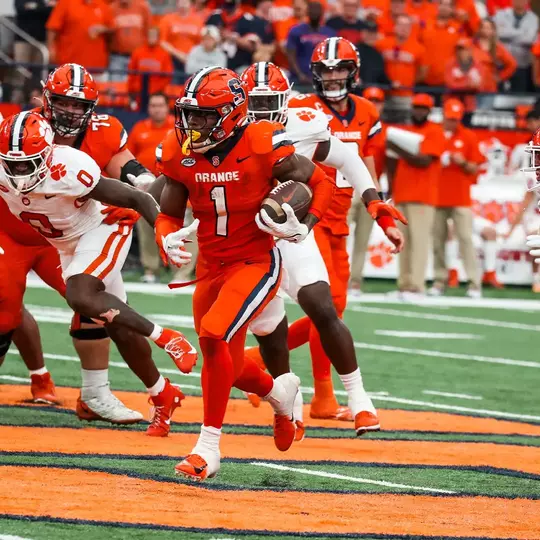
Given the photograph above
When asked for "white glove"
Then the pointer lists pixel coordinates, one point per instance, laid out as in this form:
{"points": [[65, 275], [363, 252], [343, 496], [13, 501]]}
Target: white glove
{"points": [[292, 230], [533, 242], [143, 181], [173, 245]]}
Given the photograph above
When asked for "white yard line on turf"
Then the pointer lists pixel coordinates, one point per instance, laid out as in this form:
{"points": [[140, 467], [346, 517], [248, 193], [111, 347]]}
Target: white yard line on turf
{"points": [[380, 396], [451, 395], [14, 379], [446, 318], [369, 298], [425, 335], [356, 479], [439, 354]]}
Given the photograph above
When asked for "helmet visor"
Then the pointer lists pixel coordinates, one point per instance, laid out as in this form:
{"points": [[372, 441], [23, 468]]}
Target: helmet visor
{"points": [[267, 106], [25, 172]]}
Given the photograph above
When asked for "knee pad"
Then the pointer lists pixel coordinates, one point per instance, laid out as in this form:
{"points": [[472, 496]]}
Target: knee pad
{"points": [[270, 317], [92, 333], [5, 342]]}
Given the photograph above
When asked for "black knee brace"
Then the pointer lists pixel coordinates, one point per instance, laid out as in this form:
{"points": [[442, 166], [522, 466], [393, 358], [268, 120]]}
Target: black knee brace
{"points": [[87, 334]]}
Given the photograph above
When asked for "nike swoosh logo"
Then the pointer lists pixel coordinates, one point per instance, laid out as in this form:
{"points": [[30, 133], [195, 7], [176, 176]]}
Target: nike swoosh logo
{"points": [[287, 199], [199, 470], [49, 196], [239, 160]]}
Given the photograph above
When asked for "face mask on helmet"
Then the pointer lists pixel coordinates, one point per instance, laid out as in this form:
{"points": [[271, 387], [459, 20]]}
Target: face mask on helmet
{"points": [[24, 172], [268, 105], [334, 82], [69, 116], [534, 164], [200, 127]]}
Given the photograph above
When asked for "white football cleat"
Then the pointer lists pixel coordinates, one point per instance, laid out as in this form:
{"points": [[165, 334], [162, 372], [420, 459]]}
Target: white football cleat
{"points": [[106, 406]]}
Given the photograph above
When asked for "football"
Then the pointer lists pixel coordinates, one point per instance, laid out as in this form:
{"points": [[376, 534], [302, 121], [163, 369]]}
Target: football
{"points": [[296, 194]]}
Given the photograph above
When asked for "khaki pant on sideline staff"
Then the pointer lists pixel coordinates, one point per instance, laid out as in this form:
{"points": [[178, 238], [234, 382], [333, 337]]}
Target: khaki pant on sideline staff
{"points": [[414, 257], [462, 217], [364, 224]]}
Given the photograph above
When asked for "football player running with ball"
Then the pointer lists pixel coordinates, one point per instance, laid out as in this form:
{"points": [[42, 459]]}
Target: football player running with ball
{"points": [[226, 167], [318, 268], [56, 189]]}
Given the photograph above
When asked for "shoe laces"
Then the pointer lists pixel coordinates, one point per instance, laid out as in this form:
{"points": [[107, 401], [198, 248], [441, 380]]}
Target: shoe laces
{"points": [[174, 347]]}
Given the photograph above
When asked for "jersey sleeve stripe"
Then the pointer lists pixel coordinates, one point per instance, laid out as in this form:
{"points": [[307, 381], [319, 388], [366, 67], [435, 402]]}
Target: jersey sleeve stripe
{"points": [[279, 136], [375, 129], [123, 138]]}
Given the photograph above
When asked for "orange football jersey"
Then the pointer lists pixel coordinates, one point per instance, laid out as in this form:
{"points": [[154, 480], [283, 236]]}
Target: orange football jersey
{"points": [[360, 127], [226, 187], [104, 137]]}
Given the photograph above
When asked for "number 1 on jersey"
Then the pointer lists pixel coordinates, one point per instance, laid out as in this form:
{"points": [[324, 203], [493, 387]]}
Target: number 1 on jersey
{"points": [[220, 204]]}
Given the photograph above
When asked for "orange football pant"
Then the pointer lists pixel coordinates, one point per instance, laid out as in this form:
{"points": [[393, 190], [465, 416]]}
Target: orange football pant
{"points": [[223, 304]]}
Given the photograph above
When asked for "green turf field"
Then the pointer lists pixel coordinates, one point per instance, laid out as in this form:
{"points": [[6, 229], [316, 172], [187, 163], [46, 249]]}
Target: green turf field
{"points": [[445, 469]]}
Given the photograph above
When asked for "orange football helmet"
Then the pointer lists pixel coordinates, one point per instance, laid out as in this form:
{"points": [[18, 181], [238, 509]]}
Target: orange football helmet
{"points": [[533, 148], [70, 96], [213, 106], [335, 65], [269, 91], [26, 143]]}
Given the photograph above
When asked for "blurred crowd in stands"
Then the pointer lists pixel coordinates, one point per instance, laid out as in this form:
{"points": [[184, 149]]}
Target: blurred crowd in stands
{"points": [[465, 46]]}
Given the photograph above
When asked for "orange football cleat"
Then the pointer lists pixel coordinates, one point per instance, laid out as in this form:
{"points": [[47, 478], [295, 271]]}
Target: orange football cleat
{"points": [[329, 409], [43, 389], [284, 432], [179, 349], [254, 399], [196, 468], [453, 280], [300, 431], [366, 421], [163, 408], [490, 279]]}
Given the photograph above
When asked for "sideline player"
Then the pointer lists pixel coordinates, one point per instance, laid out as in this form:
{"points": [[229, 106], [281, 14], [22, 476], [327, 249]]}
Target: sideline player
{"points": [[70, 96], [56, 189], [308, 282], [226, 167], [335, 70]]}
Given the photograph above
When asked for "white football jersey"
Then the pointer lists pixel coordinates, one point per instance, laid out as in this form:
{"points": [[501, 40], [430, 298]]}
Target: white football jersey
{"points": [[56, 208], [307, 128]]}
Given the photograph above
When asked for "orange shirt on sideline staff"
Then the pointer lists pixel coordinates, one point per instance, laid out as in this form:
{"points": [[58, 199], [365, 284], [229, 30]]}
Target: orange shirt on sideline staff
{"points": [[454, 183], [441, 37], [183, 33], [145, 137], [131, 25], [72, 20], [416, 184], [402, 61]]}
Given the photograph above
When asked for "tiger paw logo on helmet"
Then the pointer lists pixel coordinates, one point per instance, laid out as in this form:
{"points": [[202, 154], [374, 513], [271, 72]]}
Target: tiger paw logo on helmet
{"points": [[306, 116], [380, 255], [46, 131], [58, 171]]}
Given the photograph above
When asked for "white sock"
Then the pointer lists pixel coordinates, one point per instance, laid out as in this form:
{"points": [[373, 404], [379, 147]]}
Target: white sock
{"points": [[40, 371], [156, 333], [281, 395], [298, 407], [490, 255], [92, 381], [452, 254], [358, 399], [158, 387], [208, 440]]}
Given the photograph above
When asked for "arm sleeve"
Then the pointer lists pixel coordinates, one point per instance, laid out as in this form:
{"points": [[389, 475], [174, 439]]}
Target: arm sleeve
{"points": [[292, 38], [508, 61], [323, 192], [349, 164]]}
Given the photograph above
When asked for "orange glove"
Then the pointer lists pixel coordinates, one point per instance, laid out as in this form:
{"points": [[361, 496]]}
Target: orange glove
{"points": [[380, 209], [115, 214], [164, 226]]}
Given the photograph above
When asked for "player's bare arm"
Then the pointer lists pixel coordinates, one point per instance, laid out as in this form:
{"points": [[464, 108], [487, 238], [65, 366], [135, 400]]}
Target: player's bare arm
{"points": [[115, 193]]}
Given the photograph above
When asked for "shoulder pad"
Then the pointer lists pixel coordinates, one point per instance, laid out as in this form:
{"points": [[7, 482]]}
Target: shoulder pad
{"points": [[304, 123], [264, 136], [168, 148]]}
